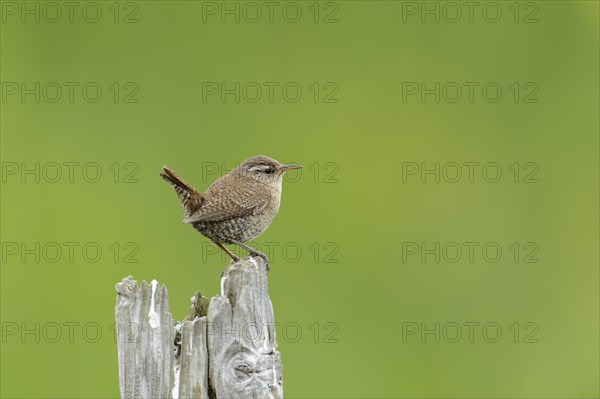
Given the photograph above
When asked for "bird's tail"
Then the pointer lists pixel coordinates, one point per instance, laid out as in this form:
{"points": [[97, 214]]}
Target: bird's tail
{"points": [[190, 198]]}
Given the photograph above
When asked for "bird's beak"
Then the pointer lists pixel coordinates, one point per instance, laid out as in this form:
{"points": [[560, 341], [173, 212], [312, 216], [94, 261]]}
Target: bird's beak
{"points": [[291, 166]]}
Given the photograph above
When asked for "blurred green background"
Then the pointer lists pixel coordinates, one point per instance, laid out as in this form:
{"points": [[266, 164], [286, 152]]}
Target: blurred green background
{"points": [[350, 213]]}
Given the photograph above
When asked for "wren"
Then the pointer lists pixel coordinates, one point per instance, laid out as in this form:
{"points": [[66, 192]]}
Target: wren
{"points": [[236, 208]]}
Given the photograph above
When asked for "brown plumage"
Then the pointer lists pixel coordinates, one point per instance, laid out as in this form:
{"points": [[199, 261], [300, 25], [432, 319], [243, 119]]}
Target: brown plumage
{"points": [[189, 197], [236, 208]]}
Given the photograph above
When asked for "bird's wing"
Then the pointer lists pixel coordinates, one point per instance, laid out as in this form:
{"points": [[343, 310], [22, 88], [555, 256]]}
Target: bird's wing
{"points": [[228, 204]]}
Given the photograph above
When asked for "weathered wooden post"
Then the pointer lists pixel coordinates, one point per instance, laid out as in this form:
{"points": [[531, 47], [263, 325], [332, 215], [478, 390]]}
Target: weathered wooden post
{"points": [[224, 350]]}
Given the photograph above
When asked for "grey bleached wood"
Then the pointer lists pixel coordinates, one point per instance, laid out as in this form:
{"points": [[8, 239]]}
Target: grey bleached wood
{"points": [[226, 351], [244, 361], [193, 360], [145, 340]]}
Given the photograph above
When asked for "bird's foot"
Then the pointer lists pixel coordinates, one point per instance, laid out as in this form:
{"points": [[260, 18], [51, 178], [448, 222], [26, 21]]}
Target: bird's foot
{"points": [[253, 252], [263, 256]]}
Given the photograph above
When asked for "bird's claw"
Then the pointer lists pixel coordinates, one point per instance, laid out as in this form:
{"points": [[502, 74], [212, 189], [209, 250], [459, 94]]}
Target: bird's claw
{"points": [[264, 257]]}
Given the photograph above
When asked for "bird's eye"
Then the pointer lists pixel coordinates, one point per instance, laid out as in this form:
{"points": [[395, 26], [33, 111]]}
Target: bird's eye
{"points": [[267, 169]]}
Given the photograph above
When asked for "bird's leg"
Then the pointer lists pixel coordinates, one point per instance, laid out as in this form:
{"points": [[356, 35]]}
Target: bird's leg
{"points": [[252, 251], [228, 252]]}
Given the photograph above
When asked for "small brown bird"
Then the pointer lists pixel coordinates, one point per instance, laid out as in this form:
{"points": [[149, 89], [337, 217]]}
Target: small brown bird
{"points": [[236, 208]]}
